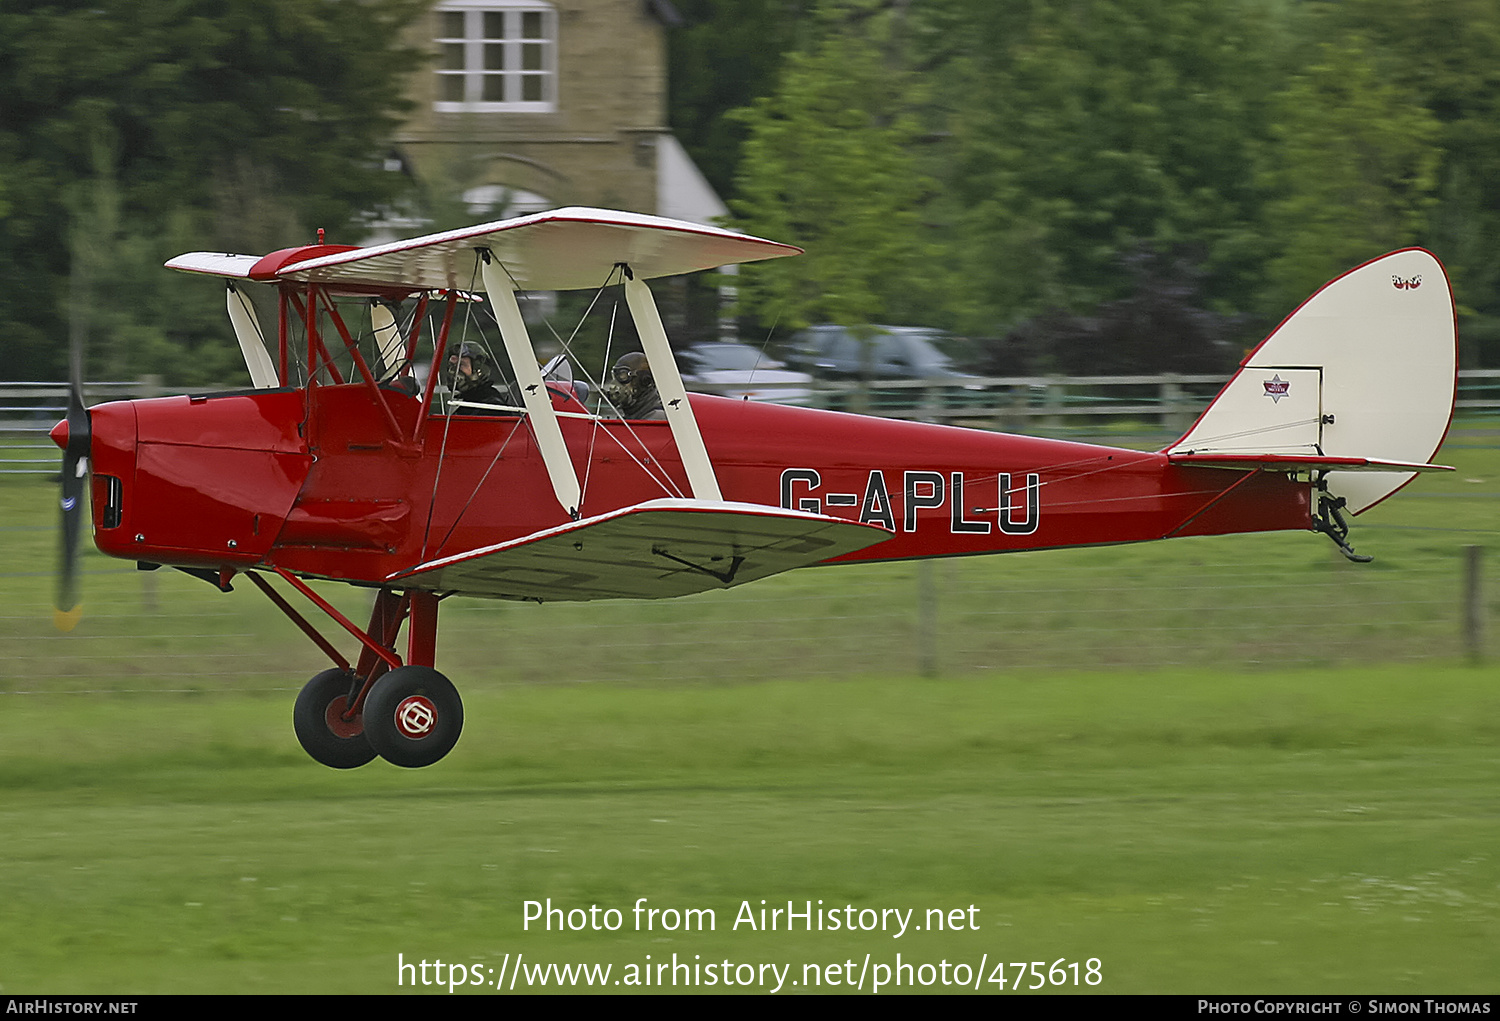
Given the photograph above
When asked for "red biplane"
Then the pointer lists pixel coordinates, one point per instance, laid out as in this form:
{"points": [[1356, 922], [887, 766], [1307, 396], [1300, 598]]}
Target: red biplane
{"points": [[382, 479]]}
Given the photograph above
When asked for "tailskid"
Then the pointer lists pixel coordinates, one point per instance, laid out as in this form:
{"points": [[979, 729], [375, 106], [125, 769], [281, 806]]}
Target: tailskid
{"points": [[1330, 521]]}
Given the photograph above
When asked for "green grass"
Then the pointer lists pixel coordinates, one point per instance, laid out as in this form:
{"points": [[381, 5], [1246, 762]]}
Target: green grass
{"points": [[1308, 831], [1307, 804]]}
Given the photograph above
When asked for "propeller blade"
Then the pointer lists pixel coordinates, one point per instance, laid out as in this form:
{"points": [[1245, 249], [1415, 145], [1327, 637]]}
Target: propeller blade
{"points": [[75, 435]]}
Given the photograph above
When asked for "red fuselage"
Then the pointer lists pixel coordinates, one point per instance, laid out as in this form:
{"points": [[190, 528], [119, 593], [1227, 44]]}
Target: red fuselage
{"points": [[326, 485]]}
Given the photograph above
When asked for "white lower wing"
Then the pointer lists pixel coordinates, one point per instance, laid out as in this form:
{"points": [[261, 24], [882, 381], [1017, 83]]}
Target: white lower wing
{"points": [[653, 550]]}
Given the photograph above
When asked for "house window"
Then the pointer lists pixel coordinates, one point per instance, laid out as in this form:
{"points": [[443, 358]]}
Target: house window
{"points": [[496, 56]]}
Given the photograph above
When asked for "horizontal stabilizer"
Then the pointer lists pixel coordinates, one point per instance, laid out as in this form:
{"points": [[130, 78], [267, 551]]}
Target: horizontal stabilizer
{"points": [[654, 550], [1302, 462]]}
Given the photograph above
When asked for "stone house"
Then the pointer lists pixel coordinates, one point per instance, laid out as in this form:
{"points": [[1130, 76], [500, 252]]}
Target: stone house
{"points": [[532, 104]]}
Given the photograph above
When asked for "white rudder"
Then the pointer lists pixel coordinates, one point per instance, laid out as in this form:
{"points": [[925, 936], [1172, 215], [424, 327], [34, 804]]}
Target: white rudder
{"points": [[1366, 368]]}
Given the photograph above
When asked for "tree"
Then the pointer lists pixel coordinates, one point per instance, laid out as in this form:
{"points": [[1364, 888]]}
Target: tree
{"points": [[198, 105], [727, 55], [1087, 128], [1446, 57], [1163, 324], [1350, 174], [829, 165]]}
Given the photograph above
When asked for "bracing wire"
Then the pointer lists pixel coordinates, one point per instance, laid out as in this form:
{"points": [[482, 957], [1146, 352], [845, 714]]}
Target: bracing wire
{"points": [[662, 480], [469, 320], [437, 475], [763, 345]]}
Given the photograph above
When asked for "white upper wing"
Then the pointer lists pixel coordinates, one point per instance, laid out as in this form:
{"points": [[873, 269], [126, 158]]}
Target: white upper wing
{"points": [[556, 250], [218, 264]]}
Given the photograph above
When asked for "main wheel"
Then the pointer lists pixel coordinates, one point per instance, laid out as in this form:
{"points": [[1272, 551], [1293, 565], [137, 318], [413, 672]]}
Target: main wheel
{"points": [[413, 716], [321, 728]]}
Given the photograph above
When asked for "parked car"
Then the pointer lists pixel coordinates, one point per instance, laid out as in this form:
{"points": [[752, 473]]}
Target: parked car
{"points": [[739, 370], [895, 352]]}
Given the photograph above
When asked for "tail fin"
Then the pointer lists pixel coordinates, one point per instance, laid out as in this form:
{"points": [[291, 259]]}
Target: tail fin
{"points": [[1364, 370]]}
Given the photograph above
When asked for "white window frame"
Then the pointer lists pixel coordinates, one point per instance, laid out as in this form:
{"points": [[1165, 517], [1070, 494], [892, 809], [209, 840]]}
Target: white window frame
{"points": [[513, 48]]}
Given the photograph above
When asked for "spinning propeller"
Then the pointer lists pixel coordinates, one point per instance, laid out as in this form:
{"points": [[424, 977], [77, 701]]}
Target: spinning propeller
{"points": [[74, 435]]}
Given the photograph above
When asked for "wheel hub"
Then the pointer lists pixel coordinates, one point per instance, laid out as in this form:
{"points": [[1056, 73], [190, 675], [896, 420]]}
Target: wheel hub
{"points": [[416, 716], [337, 725]]}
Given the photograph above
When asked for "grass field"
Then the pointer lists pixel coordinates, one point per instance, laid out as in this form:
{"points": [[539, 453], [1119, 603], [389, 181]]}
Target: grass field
{"points": [[1308, 831], [1237, 765]]}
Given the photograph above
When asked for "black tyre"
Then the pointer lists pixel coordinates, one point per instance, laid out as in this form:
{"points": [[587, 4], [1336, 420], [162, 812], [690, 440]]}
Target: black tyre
{"points": [[413, 716], [321, 728]]}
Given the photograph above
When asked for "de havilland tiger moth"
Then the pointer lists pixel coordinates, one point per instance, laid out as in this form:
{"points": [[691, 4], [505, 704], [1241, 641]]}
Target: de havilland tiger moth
{"points": [[380, 474]]}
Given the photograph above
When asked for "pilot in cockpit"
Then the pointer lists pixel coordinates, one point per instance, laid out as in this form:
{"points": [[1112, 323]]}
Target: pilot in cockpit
{"points": [[474, 380], [633, 388]]}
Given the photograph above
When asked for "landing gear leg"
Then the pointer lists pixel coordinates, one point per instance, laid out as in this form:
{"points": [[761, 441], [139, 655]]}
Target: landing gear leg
{"points": [[410, 715], [413, 714]]}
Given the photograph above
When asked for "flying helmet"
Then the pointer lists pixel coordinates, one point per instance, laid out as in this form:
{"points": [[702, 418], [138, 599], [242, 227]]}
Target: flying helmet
{"points": [[633, 373], [482, 370]]}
